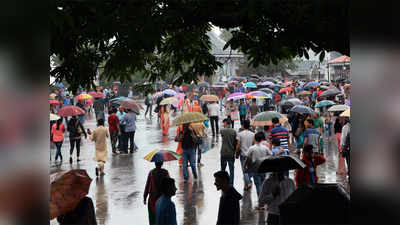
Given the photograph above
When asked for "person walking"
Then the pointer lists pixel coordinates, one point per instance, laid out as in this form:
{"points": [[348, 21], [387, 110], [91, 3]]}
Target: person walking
{"points": [[149, 105], [121, 137], [256, 152], [113, 128], [245, 139], [189, 140], [165, 209], [230, 108], [319, 125], [164, 120], [228, 148], [99, 136], [344, 133], [76, 131], [130, 127], [57, 132], [275, 190], [253, 108], [308, 175], [178, 150], [98, 106], [83, 214], [82, 106], [242, 111], [153, 189], [281, 133], [213, 110], [229, 207], [196, 106], [199, 131], [311, 136]]}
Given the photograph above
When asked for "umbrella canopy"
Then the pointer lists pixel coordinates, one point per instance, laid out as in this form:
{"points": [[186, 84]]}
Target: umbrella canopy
{"points": [[291, 102], [157, 94], [302, 109], [66, 191], [220, 84], [338, 108], [250, 85], [280, 163], [54, 102], [345, 113], [330, 92], [117, 82], [267, 90], [237, 95], [54, 117], [311, 84], [257, 94], [265, 118], [324, 103], [306, 199], [169, 100], [70, 110], [323, 87], [304, 93], [169, 92], [203, 84], [118, 100], [267, 83], [284, 90], [52, 96], [97, 94], [162, 156], [130, 104], [209, 98], [83, 96], [190, 117]]}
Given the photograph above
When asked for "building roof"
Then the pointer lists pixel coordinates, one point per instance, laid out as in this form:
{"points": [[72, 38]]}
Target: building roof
{"points": [[341, 59]]}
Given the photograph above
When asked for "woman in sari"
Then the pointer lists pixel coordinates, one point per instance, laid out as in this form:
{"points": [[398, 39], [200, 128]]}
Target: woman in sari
{"points": [[179, 147], [165, 120]]}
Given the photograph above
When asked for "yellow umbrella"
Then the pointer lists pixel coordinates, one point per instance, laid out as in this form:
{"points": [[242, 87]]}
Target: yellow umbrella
{"points": [[83, 96], [54, 117], [209, 98], [169, 100], [345, 113], [189, 117]]}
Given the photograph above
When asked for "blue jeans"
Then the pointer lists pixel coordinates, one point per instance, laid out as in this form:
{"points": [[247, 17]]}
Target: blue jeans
{"points": [[58, 146], [198, 149], [258, 181], [189, 154], [246, 176], [231, 163]]}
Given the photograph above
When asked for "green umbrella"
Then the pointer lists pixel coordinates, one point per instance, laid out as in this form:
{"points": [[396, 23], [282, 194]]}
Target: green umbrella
{"points": [[324, 103], [265, 118]]}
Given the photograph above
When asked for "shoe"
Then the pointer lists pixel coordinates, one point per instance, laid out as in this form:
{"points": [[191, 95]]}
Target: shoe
{"points": [[97, 172], [70, 160]]}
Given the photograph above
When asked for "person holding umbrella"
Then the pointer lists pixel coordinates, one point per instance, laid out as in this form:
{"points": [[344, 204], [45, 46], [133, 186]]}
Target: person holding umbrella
{"points": [[189, 141], [57, 131], [153, 189], [76, 130], [308, 175], [99, 136]]}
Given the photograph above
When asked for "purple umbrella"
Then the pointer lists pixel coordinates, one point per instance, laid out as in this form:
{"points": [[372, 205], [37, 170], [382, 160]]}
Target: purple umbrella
{"points": [[237, 95], [169, 92], [267, 83]]}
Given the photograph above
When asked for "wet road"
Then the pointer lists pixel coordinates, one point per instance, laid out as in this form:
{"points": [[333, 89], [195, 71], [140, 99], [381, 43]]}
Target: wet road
{"points": [[118, 196]]}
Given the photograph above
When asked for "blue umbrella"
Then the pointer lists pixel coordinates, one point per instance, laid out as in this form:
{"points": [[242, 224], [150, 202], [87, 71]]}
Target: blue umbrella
{"points": [[169, 92], [311, 84], [324, 103], [302, 109], [250, 84]]}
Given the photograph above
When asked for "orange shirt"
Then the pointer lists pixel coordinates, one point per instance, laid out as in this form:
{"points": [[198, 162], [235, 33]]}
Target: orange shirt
{"points": [[58, 135]]}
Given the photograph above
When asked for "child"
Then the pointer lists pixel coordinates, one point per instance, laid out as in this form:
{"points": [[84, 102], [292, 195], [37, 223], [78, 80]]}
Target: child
{"points": [[308, 175], [328, 128], [276, 147]]}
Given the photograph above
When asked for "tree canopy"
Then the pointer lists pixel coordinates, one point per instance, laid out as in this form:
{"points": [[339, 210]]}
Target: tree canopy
{"points": [[160, 37]]}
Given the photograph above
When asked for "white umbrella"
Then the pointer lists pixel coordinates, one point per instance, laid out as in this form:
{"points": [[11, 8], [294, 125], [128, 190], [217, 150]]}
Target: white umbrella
{"points": [[338, 108]]}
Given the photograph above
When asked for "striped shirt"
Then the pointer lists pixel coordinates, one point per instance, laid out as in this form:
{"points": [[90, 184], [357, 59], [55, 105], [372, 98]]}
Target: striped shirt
{"points": [[282, 134]]}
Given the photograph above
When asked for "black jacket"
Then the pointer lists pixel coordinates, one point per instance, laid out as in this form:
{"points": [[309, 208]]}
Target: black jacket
{"points": [[229, 208], [83, 214]]}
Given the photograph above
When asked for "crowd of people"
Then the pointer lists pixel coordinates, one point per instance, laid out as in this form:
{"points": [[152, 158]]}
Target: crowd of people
{"points": [[302, 134]]}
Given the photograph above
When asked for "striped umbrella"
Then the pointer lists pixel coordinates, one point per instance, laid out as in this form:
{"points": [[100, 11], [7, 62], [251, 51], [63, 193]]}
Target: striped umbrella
{"points": [[237, 95], [162, 156]]}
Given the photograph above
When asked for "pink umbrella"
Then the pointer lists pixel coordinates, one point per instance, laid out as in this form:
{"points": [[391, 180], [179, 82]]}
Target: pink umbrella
{"points": [[96, 94], [237, 95], [130, 104], [70, 111]]}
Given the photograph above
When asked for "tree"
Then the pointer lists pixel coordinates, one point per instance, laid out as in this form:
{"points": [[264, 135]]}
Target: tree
{"points": [[159, 37]]}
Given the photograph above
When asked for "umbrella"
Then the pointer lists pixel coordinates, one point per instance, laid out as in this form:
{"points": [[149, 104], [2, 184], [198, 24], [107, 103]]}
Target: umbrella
{"points": [[203, 84], [52, 96], [190, 117], [257, 94], [330, 92], [324, 87], [54, 117], [66, 191], [307, 198], [96, 94], [271, 79], [54, 102], [240, 78], [169, 100], [267, 83], [279, 163], [157, 94], [325, 83], [117, 82], [130, 104], [265, 118], [311, 84], [304, 93], [338, 108], [302, 109], [220, 84], [237, 95], [266, 90], [250, 85], [284, 90], [60, 85], [324, 103], [162, 156], [70, 110], [83, 96], [345, 113], [119, 99], [209, 98], [291, 102], [169, 92]]}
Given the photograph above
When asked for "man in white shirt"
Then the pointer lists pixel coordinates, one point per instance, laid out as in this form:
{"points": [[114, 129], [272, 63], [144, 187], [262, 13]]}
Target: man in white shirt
{"points": [[213, 110], [245, 140], [345, 131]]}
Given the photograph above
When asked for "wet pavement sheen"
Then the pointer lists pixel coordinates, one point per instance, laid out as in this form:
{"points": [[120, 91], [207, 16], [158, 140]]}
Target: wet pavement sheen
{"points": [[118, 196]]}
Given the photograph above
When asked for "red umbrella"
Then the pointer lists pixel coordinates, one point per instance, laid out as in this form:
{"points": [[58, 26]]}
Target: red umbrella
{"points": [[130, 104], [96, 94], [54, 102], [283, 90], [70, 111]]}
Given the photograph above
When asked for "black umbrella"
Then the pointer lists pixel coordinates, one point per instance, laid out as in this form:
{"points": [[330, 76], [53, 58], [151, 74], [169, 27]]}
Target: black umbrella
{"points": [[266, 90], [279, 163], [330, 92], [302, 109], [305, 205], [270, 79]]}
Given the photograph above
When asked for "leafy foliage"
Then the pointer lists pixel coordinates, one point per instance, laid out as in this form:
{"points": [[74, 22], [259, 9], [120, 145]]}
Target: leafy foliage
{"points": [[156, 38]]}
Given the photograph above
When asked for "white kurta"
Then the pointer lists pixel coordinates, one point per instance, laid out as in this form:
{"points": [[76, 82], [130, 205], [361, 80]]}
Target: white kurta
{"points": [[99, 136]]}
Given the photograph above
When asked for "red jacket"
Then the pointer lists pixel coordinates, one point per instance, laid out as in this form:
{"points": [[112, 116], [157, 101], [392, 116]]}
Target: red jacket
{"points": [[303, 175]]}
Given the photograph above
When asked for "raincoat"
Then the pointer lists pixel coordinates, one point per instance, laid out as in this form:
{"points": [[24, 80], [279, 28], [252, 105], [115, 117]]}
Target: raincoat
{"points": [[229, 210], [303, 176]]}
